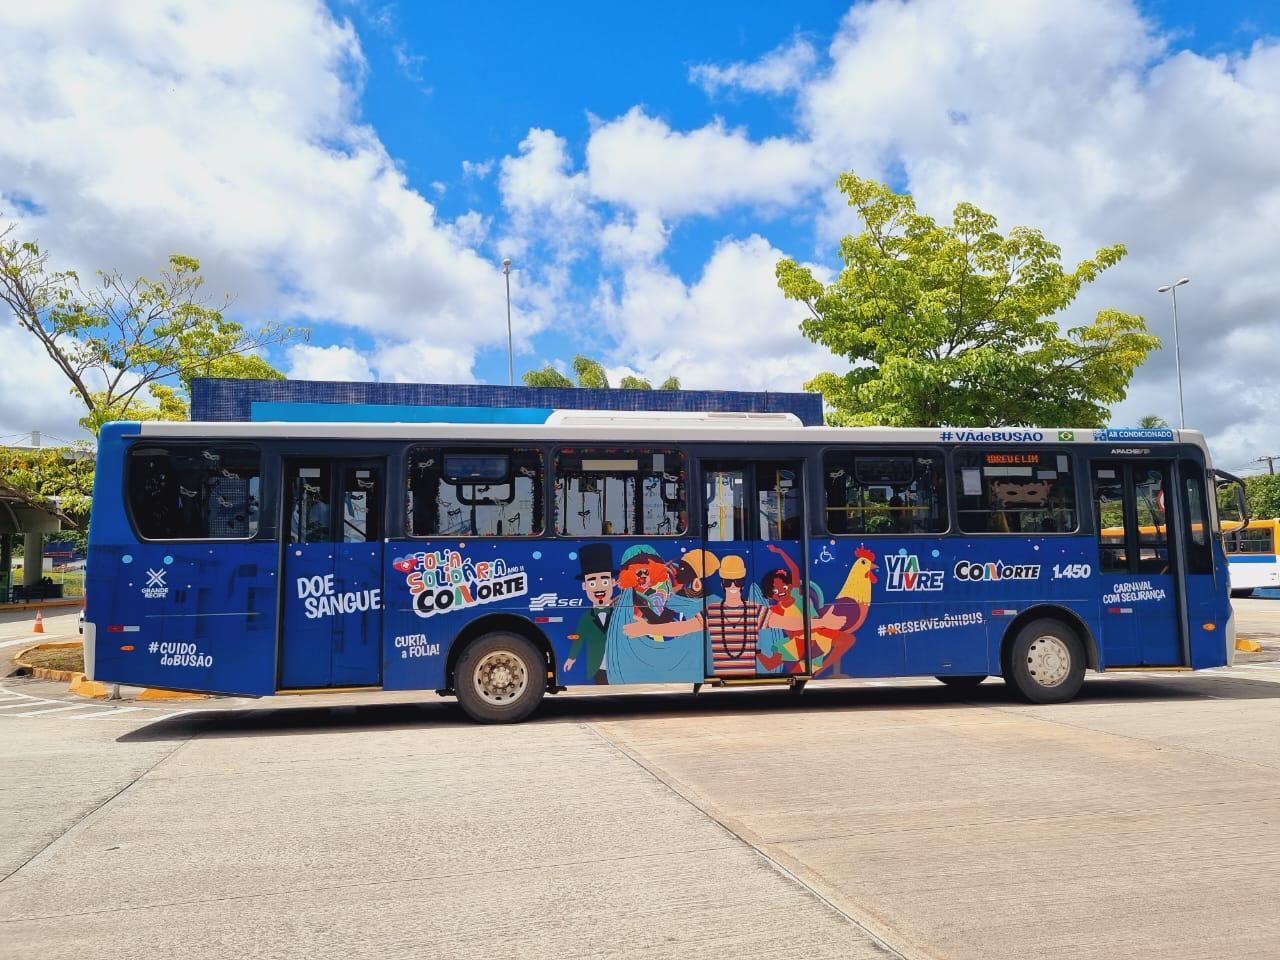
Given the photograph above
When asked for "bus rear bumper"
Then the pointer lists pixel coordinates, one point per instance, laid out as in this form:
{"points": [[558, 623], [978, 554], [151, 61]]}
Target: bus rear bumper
{"points": [[1229, 634], [90, 648]]}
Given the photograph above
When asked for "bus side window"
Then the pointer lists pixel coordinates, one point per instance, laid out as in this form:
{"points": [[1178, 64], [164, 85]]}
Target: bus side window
{"points": [[620, 493], [194, 492], [1199, 559], [474, 493], [1108, 515], [893, 491], [1015, 491]]}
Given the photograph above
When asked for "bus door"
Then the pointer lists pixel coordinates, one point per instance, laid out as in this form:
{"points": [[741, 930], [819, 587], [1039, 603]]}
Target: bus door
{"points": [[331, 622], [1138, 563], [755, 589]]}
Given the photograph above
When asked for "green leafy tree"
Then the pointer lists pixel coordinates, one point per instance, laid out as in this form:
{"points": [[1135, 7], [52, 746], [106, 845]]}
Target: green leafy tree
{"points": [[1263, 495], [56, 480], [954, 323], [548, 376], [130, 348], [590, 373], [1153, 421]]}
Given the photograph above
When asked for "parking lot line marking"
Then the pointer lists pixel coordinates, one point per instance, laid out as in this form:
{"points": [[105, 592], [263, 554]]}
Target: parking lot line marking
{"points": [[112, 712], [43, 710], [20, 704], [17, 693]]}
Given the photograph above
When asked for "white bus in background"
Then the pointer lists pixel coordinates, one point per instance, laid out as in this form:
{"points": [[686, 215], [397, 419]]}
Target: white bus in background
{"points": [[1251, 556]]}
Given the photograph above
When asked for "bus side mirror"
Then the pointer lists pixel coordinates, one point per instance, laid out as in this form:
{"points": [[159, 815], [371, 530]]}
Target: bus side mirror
{"points": [[1223, 480]]}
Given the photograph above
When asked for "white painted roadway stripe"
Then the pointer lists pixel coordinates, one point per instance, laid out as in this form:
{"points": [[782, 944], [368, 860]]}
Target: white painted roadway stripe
{"points": [[24, 703], [42, 711]]}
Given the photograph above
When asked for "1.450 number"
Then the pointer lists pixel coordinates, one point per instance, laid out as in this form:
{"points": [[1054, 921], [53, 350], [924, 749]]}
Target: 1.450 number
{"points": [[1072, 571]]}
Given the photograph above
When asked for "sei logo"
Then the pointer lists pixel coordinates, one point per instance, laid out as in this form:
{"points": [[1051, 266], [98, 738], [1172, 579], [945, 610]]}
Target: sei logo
{"points": [[544, 601]]}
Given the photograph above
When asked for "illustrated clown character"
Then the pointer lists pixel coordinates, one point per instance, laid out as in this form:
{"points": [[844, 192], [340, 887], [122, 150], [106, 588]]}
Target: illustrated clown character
{"points": [[644, 573], [596, 574], [732, 624]]}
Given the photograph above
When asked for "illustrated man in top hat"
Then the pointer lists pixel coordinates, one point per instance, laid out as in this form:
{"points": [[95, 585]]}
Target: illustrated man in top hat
{"points": [[596, 561]]}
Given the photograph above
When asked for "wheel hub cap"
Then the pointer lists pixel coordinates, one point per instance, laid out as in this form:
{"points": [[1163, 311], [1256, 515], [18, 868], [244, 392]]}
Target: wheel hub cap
{"points": [[1048, 660], [500, 677]]}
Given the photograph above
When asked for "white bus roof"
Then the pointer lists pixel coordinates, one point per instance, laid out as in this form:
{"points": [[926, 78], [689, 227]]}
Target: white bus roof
{"points": [[609, 426]]}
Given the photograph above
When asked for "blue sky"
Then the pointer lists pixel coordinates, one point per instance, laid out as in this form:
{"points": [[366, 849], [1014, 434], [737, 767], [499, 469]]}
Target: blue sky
{"points": [[446, 85], [360, 167]]}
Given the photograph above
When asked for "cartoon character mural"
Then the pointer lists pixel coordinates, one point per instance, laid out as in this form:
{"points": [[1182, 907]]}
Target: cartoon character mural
{"points": [[734, 623], [833, 625], [746, 633], [835, 629], [781, 643], [596, 575], [730, 624], [655, 632], [691, 572]]}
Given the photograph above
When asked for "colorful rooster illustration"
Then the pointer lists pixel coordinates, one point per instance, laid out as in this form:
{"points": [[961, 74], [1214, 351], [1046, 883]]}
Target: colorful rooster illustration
{"points": [[835, 628]]}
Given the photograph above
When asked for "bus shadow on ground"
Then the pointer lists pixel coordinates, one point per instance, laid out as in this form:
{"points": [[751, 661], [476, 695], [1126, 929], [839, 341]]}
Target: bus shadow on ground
{"points": [[584, 706]]}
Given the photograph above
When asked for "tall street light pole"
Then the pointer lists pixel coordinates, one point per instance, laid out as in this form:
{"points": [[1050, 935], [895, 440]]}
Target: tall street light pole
{"points": [[511, 368], [1172, 290]]}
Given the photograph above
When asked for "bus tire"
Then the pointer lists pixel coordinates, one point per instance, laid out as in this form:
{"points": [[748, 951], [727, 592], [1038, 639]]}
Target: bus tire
{"points": [[1046, 662], [963, 681], [1241, 594], [500, 678]]}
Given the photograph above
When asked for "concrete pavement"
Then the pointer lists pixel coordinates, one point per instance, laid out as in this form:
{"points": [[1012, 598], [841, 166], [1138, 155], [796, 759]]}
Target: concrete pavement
{"points": [[1138, 822], [379, 832]]}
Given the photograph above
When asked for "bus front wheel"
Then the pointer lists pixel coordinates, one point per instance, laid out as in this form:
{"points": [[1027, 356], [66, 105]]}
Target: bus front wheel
{"points": [[1046, 662], [500, 678]]}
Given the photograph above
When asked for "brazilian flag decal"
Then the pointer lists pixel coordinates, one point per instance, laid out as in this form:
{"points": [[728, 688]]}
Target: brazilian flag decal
{"points": [[1065, 435]]}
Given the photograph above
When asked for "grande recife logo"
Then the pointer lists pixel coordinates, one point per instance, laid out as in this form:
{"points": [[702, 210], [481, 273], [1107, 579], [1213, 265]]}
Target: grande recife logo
{"points": [[443, 580]]}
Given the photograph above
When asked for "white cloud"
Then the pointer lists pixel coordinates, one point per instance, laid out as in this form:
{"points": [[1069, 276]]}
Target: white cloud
{"points": [[36, 394], [731, 328], [639, 162], [477, 169], [640, 237], [140, 129], [307, 362], [782, 69], [424, 362], [538, 181]]}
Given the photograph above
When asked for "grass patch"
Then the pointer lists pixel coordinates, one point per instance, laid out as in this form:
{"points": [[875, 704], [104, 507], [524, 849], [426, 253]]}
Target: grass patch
{"points": [[71, 658]]}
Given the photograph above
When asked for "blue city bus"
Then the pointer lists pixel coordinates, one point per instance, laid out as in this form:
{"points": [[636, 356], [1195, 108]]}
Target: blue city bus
{"points": [[499, 562]]}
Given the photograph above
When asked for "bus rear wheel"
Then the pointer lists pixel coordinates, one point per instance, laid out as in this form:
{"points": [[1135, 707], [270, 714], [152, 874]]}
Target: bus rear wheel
{"points": [[500, 678], [963, 682], [1045, 663]]}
